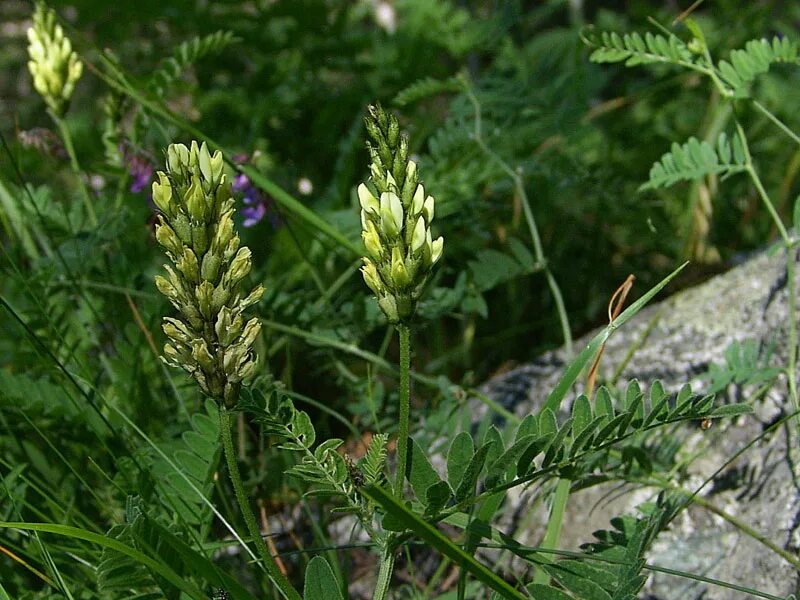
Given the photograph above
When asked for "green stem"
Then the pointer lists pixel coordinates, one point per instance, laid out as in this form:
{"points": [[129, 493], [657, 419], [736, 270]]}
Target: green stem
{"points": [[751, 171], [737, 523], [553, 532], [791, 366], [387, 558], [384, 574], [273, 571], [519, 186], [776, 121], [405, 402], [789, 244], [76, 166]]}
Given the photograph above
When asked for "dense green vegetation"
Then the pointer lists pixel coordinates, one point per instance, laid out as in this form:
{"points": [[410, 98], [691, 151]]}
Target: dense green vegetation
{"points": [[538, 145]]}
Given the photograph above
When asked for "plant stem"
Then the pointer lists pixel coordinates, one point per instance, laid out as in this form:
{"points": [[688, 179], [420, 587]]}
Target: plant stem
{"points": [[387, 557], [519, 186], [776, 121], [791, 367], [553, 532], [273, 571], [737, 523], [384, 574], [76, 166], [789, 244], [405, 402]]}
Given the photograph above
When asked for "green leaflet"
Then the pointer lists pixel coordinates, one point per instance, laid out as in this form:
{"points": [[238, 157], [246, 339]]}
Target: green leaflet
{"points": [[321, 583], [695, 159], [420, 472]]}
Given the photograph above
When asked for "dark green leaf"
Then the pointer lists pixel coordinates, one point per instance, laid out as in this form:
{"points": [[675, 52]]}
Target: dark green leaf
{"points": [[321, 583]]}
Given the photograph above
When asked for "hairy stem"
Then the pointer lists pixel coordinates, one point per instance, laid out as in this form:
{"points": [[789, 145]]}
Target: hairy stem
{"points": [[384, 574], [405, 402], [273, 571], [387, 557], [75, 165]]}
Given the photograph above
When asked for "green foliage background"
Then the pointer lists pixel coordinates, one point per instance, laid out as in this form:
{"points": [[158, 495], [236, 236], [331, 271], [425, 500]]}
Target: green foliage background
{"points": [[291, 79]]}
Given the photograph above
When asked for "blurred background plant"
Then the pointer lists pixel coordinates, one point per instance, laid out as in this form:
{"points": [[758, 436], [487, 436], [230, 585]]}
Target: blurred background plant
{"points": [[504, 110]]}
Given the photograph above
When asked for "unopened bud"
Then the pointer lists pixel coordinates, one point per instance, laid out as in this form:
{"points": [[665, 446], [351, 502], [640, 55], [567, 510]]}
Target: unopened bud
{"points": [[369, 203], [399, 272], [391, 214]]}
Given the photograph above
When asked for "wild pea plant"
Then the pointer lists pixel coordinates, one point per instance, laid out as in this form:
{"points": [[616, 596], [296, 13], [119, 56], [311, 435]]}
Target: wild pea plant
{"points": [[401, 252], [175, 537]]}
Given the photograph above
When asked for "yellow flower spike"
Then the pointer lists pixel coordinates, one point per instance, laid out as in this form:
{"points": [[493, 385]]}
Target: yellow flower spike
{"points": [[53, 64]]}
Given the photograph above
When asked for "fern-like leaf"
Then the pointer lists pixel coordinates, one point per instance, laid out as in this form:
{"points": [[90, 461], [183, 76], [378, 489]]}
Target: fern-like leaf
{"points": [[185, 55], [634, 49], [427, 87], [374, 461], [695, 159], [755, 59], [196, 454], [120, 576]]}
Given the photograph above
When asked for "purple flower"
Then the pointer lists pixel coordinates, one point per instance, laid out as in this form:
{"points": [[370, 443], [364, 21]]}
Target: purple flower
{"points": [[253, 214], [256, 204], [139, 165], [141, 174]]}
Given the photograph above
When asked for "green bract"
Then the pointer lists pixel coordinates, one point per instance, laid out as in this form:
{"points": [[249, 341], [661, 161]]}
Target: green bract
{"points": [[55, 67], [396, 218], [210, 338]]}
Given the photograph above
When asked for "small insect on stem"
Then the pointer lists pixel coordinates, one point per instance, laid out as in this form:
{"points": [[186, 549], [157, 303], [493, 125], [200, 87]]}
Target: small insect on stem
{"points": [[706, 424], [356, 476]]}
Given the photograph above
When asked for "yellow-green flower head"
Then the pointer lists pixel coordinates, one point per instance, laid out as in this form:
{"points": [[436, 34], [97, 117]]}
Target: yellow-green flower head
{"points": [[53, 63], [210, 338], [396, 220]]}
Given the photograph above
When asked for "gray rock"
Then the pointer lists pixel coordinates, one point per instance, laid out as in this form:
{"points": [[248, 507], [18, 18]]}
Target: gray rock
{"points": [[676, 341]]}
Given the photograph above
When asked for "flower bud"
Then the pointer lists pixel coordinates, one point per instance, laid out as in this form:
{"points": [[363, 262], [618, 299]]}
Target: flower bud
{"points": [[162, 194], [436, 249], [372, 278], [240, 266], [372, 241], [419, 200], [204, 161], [369, 203], [187, 265], [418, 237], [251, 331], [168, 239], [427, 209], [391, 214], [203, 293], [201, 354], [210, 267], [196, 202], [177, 331], [252, 297], [399, 272]]}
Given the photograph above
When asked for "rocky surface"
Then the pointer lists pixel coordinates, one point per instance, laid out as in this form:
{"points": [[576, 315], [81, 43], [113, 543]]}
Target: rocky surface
{"points": [[676, 342]]}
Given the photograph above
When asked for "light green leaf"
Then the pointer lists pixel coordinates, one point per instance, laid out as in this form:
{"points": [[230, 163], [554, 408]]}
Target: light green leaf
{"points": [[321, 583], [420, 472], [461, 452]]}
